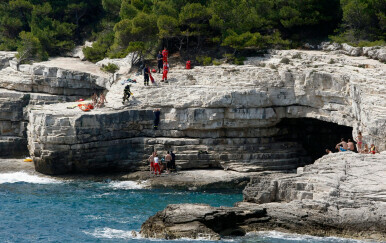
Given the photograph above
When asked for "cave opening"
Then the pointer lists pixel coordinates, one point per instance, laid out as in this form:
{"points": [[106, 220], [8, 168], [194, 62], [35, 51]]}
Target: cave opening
{"points": [[314, 135]]}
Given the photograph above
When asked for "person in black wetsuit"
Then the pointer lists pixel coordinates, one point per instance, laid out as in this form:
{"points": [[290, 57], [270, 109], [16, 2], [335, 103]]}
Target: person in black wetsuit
{"points": [[157, 114], [160, 62], [126, 94], [173, 162], [146, 72]]}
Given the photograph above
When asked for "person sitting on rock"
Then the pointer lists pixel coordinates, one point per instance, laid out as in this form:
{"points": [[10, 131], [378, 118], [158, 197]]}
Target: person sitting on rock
{"points": [[102, 100], [342, 146], [328, 151], [373, 149], [365, 149], [126, 94], [350, 145]]}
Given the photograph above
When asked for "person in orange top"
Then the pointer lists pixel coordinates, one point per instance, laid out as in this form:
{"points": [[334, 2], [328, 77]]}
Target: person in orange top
{"points": [[165, 73]]}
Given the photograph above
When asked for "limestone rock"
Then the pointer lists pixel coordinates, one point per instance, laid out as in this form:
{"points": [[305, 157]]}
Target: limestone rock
{"points": [[340, 194], [200, 221], [240, 115]]}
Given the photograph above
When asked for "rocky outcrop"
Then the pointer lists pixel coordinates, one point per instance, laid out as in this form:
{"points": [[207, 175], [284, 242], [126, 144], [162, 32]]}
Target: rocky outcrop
{"points": [[23, 87], [260, 116], [200, 221], [341, 194], [374, 52]]}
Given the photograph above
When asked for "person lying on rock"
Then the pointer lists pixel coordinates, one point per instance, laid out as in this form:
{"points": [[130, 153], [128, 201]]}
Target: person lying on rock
{"points": [[342, 146]]}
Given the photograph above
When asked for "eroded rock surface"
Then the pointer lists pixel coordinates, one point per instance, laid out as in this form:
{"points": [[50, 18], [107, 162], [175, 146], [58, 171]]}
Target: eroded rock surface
{"points": [[232, 112], [341, 194]]}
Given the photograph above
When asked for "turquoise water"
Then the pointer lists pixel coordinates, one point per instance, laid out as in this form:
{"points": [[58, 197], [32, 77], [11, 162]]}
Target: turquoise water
{"points": [[40, 209]]}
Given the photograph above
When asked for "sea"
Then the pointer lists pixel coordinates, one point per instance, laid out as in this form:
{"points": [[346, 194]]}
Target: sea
{"points": [[36, 208]]}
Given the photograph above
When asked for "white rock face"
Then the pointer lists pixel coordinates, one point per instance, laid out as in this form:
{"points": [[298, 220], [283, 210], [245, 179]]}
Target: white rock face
{"points": [[230, 111], [375, 52]]}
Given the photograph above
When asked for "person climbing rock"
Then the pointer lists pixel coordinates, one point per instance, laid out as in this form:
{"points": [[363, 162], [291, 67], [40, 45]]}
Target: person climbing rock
{"points": [[146, 72], [160, 61], [165, 54], [126, 94], [165, 73], [157, 114]]}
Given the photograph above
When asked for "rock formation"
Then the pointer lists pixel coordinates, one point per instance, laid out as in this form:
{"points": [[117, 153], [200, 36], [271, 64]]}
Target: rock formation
{"points": [[260, 116], [341, 194], [24, 87]]}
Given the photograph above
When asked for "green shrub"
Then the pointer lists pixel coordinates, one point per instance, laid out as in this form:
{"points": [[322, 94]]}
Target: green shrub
{"points": [[230, 58], [216, 62], [204, 60], [285, 60], [110, 68]]}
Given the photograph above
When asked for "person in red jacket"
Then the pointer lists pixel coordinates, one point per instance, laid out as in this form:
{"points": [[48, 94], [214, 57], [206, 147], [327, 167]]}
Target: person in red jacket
{"points": [[165, 73], [165, 54]]}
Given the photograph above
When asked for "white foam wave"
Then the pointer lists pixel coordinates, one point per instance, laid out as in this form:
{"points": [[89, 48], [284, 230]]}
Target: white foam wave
{"points": [[15, 177], [298, 237], [109, 233], [127, 185]]}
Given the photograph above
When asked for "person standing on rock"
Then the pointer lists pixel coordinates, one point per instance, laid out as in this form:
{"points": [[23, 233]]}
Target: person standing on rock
{"points": [[342, 146], [165, 54], [126, 94], [165, 73], [151, 160], [168, 159], [156, 165], [157, 114], [146, 74], [160, 61], [359, 140], [173, 161]]}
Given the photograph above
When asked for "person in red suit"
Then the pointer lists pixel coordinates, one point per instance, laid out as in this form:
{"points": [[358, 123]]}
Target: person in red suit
{"points": [[165, 73], [165, 54]]}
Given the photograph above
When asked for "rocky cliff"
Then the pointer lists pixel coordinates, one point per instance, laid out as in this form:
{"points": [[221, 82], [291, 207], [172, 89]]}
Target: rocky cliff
{"points": [[277, 112], [341, 194], [24, 87]]}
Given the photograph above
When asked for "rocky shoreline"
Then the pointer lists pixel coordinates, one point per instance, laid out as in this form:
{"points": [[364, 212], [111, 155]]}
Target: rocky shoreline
{"points": [[340, 194]]}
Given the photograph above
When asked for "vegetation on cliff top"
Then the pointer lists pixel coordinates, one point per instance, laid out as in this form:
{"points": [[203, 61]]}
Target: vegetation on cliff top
{"points": [[38, 29]]}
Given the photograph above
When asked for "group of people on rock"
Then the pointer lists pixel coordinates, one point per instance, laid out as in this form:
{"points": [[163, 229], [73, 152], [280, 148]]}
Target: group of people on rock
{"points": [[98, 101], [344, 146], [167, 163], [162, 61]]}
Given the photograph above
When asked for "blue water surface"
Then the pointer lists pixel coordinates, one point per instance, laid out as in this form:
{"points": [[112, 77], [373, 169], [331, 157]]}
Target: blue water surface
{"points": [[85, 211]]}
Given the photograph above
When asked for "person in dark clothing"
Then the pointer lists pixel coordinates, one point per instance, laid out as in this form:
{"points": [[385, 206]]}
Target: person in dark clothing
{"points": [[160, 62], [146, 72], [157, 114], [173, 162], [126, 94]]}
